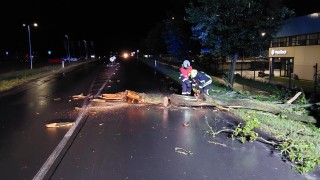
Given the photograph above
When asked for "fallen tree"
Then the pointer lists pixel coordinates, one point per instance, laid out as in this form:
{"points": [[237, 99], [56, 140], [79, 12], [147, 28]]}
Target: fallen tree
{"points": [[220, 103], [277, 109]]}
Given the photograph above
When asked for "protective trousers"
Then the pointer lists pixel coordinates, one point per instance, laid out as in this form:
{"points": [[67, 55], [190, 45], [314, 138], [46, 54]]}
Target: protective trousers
{"points": [[204, 88], [186, 87]]}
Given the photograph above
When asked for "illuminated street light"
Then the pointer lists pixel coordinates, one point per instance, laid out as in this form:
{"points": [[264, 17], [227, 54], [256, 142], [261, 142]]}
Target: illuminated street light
{"points": [[68, 50], [30, 49]]}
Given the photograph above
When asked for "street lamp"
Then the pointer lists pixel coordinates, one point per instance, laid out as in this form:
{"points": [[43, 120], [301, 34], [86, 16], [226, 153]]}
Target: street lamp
{"points": [[30, 49], [86, 48], [68, 50]]}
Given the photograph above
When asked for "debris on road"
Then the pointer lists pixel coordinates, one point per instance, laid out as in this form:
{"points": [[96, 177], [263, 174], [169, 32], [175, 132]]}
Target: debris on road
{"points": [[186, 124], [80, 96], [216, 143], [127, 96], [182, 151], [59, 124]]}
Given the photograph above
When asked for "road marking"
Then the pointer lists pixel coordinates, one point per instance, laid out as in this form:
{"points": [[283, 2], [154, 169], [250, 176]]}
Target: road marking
{"points": [[52, 158], [104, 84], [47, 165]]}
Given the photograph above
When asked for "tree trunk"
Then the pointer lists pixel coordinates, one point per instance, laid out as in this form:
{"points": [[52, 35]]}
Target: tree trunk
{"points": [[179, 100], [232, 68]]}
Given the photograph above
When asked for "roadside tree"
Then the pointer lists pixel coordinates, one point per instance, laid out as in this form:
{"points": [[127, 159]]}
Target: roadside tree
{"points": [[227, 28]]}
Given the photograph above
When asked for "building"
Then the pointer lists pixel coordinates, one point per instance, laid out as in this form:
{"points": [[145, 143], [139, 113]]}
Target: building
{"points": [[296, 48]]}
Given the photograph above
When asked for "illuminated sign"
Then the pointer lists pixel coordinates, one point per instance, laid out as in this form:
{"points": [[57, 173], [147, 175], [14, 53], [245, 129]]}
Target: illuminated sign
{"points": [[278, 52]]}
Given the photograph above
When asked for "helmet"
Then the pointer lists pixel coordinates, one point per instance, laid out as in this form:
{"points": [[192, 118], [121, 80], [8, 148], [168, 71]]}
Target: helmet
{"points": [[186, 63], [193, 73]]}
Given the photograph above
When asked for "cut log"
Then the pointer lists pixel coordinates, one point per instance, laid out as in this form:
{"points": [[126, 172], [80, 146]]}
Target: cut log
{"points": [[59, 124], [133, 96], [114, 97], [98, 100]]}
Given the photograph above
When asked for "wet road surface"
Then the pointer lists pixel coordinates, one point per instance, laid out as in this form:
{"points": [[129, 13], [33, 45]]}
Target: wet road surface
{"points": [[25, 142], [120, 140], [150, 142]]}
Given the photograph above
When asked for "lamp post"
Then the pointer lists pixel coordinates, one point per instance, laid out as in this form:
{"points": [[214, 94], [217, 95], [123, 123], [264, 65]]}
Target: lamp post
{"points": [[29, 36], [68, 50], [86, 48]]}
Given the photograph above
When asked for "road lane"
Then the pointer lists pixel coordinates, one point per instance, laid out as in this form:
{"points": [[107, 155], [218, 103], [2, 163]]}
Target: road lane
{"points": [[135, 141], [150, 142], [25, 142]]}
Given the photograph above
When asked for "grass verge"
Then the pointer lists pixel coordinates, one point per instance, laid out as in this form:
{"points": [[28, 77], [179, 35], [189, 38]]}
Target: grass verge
{"points": [[299, 142]]}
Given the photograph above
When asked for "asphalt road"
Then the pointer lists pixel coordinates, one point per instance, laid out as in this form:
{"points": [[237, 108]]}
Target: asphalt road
{"points": [[119, 140], [25, 142]]}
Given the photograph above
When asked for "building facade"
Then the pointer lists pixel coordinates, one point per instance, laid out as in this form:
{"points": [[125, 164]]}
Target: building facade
{"points": [[295, 51]]}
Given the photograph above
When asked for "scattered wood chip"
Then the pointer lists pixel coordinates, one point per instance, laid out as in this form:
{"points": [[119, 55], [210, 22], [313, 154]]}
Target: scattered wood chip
{"points": [[186, 124], [80, 96], [59, 124]]}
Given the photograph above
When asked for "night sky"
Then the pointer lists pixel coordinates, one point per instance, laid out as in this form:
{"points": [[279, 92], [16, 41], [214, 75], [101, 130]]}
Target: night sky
{"points": [[112, 26]]}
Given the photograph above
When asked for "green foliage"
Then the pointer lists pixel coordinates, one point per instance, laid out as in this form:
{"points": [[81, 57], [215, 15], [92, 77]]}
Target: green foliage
{"points": [[228, 26], [244, 132], [294, 145], [301, 153], [298, 142], [302, 100]]}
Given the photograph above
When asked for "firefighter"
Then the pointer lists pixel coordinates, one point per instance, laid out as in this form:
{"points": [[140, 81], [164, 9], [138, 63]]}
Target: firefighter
{"points": [[202, 80], [185, 77]]}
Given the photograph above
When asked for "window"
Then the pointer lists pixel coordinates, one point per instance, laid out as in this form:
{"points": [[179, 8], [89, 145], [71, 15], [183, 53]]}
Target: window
{"points": [[302, 40], [313, 39]]}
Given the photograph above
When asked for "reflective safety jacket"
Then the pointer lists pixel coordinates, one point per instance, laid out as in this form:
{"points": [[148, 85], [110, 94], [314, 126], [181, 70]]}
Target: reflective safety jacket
{"points": [[185, 73], [202, 79]]}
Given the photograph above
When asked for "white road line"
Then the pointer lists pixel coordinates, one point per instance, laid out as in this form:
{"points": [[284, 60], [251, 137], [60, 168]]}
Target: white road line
{"points": [[46, 166], [104, 84], [52, 158]]}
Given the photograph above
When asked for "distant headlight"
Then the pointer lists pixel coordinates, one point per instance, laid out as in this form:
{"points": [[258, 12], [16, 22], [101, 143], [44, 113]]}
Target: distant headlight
{"points": [[125, 55]]}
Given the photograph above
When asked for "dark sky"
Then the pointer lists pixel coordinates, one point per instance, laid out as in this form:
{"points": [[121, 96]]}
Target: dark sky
{"points": [[111, 25]]}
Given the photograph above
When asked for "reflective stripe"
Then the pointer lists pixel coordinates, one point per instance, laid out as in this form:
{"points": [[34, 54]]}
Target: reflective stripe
{"points": [[207, 83]]}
